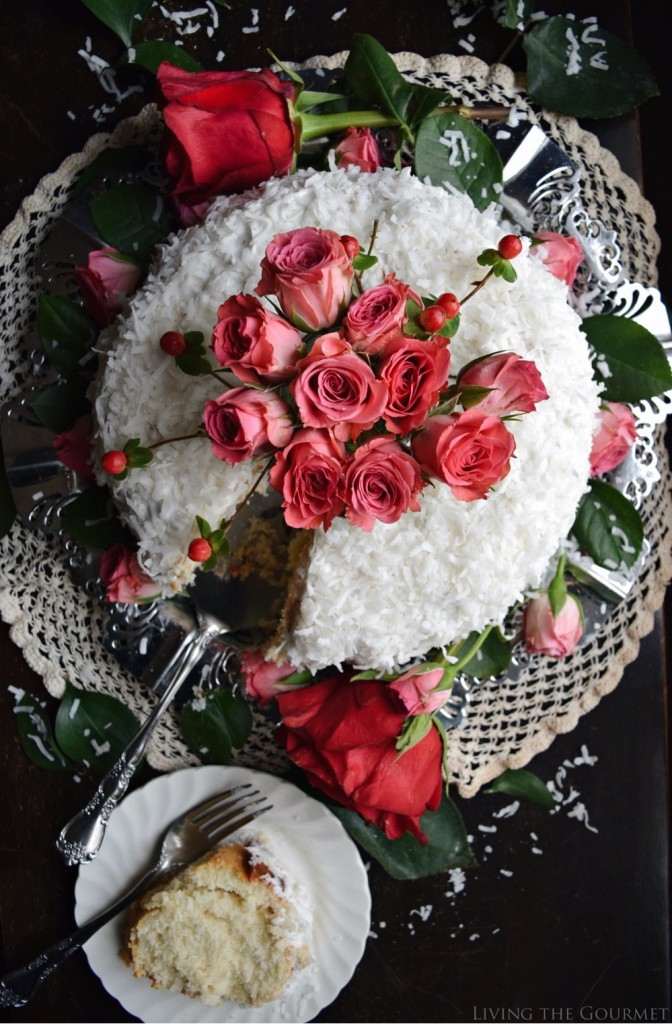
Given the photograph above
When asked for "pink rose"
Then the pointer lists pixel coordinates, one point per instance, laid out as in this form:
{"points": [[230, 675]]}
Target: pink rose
{"points": [[106, 280], [188, 214], [515, 382], [308, 473], [255, 344], [244, 422], [614, 437], [338, 389], [381, 482], [414, 372], [263, 679], [310, 272], [418, 690], [358, 148], [122, 577], [73, 448], [556, 636], [560, 254], [378, 315], [469, 451]]}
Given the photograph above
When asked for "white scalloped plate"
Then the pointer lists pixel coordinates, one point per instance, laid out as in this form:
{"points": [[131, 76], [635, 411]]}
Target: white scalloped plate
{"points": [[309, 841]]}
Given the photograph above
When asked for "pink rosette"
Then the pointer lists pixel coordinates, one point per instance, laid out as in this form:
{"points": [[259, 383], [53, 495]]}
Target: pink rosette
{"points": [[381, 483], [614, 437], [358, 148], [308, 473], [105, 282], [554, 635], [378, 315], [73, 448], [122, 577], [516, 384], [414, 372], [469, 451], [561, 255], [335, 388], [310, 272], [255, 344], [417, 690], [263, 679], [244, 422]]}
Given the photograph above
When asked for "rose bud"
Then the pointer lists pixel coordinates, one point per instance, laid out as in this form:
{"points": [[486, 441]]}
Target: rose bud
{"points": [[613, 438], [310, 272], [516, 384], [252, 342], [469, 451], [263, 679], [308, 473], [358, 148], [122, 577], [244, 422], [562, 255], [225, 130], [105, 282], [73, 448], [378, 315], [417, 688], [381, 483], [414, 372], [554, 635]]}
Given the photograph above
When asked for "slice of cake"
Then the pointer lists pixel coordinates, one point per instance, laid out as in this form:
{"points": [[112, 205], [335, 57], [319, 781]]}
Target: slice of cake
{"points": [[232, 927], [378, 598]]}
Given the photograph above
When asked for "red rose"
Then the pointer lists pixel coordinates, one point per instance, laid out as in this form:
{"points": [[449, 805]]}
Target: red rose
{"points": [[123, 578], [73, 448], [105, 282], [252, 342], [515, 382], [414, 371], [244, 422], [381, 482], [358, 148], [308, 474], [561, 254], [554, 635], [338, 389], [225, 130], [311, 273], [614, 437], [343, 735], [378, 315], [469, 451]]}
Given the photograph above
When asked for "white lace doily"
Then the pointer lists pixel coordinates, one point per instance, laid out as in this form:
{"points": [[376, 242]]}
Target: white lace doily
{"points": [[62, 631]]}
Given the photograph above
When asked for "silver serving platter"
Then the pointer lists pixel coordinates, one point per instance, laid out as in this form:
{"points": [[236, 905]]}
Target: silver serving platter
{"points": [[542, 191]]}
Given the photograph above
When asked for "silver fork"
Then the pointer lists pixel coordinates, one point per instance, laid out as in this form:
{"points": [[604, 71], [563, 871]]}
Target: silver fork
{"points": [[187, 838]]}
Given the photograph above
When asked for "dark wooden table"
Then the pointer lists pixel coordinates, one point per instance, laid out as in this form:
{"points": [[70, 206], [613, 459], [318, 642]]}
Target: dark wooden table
{"points": [[560, 921]]}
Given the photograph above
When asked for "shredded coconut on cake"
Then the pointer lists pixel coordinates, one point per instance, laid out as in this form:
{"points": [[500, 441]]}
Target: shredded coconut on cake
{"points": [[380, 598]]}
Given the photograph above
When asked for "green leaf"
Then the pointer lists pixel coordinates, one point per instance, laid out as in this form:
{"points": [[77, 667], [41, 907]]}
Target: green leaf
{"points": [[133, 218], [608, 527], [7, 506], [122, 16], [465, 160], [216, 724], [629, 360], [66, 331], [93, 728], [517, 13], [151, 53], [35, 734], [407, 858], [125, 159], [523, 783], [60, 405], [491, 659], [577, 68], [374, 77], [91, 518], [363, 262], [415, 729], [425, 101]]}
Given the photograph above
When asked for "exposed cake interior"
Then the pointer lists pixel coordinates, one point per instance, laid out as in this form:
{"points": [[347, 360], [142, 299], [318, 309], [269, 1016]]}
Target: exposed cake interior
{"points": [[374, 599]]}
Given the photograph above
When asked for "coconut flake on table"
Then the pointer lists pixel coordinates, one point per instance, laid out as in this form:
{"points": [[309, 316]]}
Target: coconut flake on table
{"points": [[365, 600]]}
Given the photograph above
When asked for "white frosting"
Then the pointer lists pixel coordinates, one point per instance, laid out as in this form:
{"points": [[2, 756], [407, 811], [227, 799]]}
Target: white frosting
{"points": [[381, 598]]}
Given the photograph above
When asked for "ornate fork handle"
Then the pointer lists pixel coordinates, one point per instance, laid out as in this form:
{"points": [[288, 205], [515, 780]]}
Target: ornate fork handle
{"points": [[17, 987], [80, 840]]}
